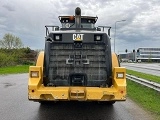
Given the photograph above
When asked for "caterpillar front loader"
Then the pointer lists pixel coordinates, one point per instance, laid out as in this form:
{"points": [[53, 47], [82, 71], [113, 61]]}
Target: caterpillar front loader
{"points": [[77, 64]]}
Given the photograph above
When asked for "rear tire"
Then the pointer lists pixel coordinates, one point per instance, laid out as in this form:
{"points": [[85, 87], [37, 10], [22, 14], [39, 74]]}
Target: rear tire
{"points": [[43, 102], [47, 102], [110, 102], [106, 102]]}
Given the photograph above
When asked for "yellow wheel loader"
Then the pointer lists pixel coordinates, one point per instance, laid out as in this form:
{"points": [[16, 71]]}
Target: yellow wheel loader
{"points": [[77, 64]]}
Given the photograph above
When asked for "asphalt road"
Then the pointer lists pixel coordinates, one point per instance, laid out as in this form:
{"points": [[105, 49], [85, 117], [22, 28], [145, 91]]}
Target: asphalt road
{"points": [[153, 69], [14, 105]]}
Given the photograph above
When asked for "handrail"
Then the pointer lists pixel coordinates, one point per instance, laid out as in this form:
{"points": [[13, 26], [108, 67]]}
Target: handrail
{"points": [[150, 84]]}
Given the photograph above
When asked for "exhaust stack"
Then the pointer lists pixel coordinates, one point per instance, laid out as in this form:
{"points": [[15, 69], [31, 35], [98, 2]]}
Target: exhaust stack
{"points": [[78, 17]]}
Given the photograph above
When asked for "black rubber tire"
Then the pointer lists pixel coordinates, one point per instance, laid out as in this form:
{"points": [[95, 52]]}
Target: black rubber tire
{"points": [[106, 102], [110, 102], [43, 102]]}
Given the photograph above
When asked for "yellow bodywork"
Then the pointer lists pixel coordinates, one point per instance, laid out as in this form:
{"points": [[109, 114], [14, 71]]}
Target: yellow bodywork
{"points": [[38, 92]]}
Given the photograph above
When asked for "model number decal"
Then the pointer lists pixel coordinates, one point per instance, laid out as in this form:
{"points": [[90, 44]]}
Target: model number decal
{"points": [[78, 37]]}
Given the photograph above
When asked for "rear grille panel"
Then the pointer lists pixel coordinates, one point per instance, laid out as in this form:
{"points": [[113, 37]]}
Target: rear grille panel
{"points": [[65, 59]]}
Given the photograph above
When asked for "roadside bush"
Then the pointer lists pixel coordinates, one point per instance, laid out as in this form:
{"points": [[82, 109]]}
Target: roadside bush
{"points": [[2, 59], [12, 57], [7, 59], [27, 62], [13, 53]]}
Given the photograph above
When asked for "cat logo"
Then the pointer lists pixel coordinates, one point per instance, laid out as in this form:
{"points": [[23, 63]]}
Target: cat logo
{"points": [[78, 37]]}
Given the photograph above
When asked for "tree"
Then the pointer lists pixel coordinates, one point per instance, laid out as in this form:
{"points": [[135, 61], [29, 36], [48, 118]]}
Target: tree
{"points": [[10, 41]]}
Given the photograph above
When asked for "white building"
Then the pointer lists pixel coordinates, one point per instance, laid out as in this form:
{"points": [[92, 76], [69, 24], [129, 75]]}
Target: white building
{"points": [[148, 54]]}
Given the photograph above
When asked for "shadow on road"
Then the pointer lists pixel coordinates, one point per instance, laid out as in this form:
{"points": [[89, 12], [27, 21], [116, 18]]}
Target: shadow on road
{"points": [[75, 110]]}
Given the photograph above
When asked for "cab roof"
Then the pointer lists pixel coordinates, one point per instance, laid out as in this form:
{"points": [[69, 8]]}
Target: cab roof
{"points": [[84, 19]]}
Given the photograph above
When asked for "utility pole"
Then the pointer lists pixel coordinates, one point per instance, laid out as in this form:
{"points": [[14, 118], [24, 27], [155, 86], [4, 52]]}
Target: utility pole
{"points": [[115, 32]]}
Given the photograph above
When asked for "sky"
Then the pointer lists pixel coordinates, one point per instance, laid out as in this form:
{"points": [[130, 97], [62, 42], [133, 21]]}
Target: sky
{"points": [[27, 19]]}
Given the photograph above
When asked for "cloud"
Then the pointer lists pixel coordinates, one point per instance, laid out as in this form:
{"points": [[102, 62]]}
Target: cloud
{"points": [[27, 19], [9, 7]]}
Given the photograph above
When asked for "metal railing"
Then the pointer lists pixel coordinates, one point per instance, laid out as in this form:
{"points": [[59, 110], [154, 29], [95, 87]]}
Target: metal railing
{"points": [[150, 84]]}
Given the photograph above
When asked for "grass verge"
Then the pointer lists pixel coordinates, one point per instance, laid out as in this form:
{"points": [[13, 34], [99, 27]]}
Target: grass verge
{"points": [[14, 69], [150, 77], [147, 98]]}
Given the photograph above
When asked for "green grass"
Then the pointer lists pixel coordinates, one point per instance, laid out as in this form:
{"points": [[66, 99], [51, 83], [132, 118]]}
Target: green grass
{"points": [[147, 98], [144, 76], [14, 69]]}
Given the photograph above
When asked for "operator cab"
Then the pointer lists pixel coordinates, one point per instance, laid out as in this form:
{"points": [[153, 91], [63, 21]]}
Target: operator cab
{"points": [[77, 22], [86, 22]]}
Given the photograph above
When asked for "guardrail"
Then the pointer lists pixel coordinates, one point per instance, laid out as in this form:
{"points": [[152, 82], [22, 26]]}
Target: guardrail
{"points": [[144, 82]]}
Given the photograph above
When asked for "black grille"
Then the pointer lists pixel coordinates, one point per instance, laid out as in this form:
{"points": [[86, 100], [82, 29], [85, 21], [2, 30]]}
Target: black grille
{"points": [[66, 59]]}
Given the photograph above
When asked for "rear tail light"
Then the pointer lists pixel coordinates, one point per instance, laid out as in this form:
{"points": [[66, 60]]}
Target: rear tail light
{"points": [[120, 75], [34, 74]]}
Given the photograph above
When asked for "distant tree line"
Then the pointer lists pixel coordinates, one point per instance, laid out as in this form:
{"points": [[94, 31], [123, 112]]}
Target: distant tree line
{"points": [[13, 53]]}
